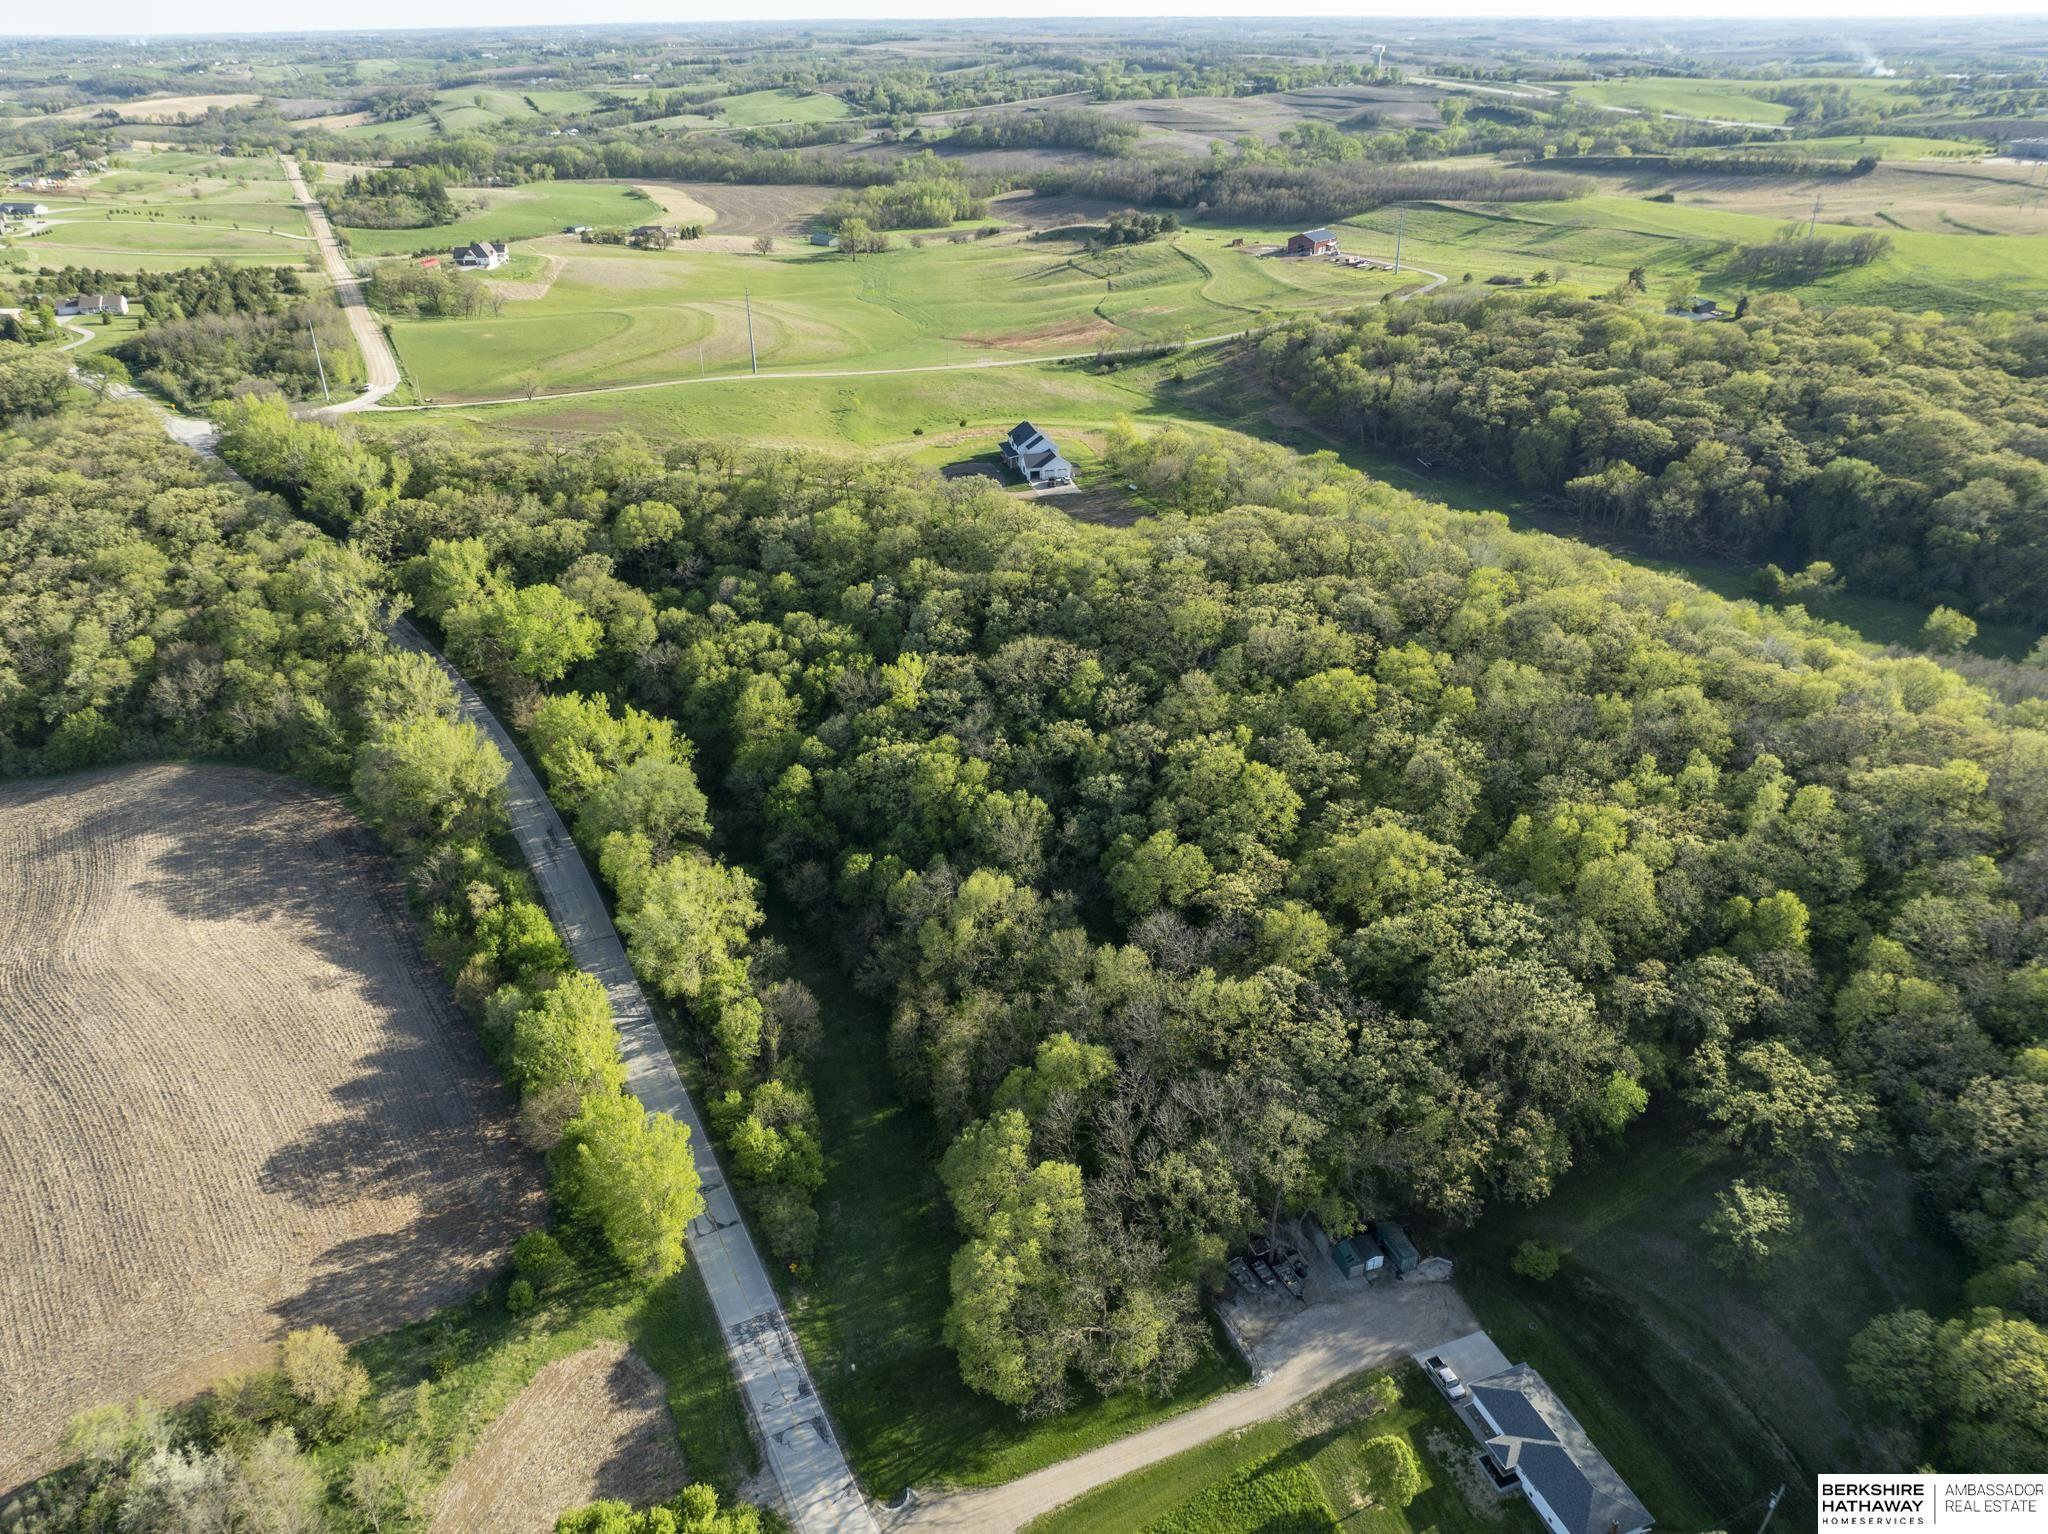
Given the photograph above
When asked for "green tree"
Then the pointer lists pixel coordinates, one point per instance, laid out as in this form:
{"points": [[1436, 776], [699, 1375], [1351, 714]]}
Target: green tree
{"points": [[1392, 1470], [534, 633], [630, 1173], [566, 1036], [1536, 1260], [329, 1386], [1749, 1223], [430, 780], [1947, 631]]}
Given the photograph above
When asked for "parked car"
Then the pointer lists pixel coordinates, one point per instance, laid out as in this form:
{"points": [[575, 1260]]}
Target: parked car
{"points": [[1447, 1379]]}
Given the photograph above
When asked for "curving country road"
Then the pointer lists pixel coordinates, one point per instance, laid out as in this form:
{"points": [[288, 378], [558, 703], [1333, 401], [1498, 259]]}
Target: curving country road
{"points": [[817, 1489], [819, 1494], [379, 360]]}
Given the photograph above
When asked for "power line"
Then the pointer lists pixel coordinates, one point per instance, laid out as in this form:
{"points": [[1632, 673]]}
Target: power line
{"points": [[315, 335]]}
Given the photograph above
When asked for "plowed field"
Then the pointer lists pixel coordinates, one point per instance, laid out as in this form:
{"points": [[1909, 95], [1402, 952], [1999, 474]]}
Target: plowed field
{"points": [[592, 1425], [240, 1099]]}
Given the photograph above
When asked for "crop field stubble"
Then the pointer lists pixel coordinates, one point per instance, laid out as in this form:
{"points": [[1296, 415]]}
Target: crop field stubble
{"points": [[244, 1100], [595, 1424]]}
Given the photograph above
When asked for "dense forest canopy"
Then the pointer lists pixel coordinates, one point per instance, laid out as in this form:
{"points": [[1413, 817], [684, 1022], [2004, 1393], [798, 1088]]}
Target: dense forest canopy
{"points": [[1307, 848], [1911, 451]]}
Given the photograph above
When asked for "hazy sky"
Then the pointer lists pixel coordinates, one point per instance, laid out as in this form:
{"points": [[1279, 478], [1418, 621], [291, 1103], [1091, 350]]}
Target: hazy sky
{"points": [[158, 17]]}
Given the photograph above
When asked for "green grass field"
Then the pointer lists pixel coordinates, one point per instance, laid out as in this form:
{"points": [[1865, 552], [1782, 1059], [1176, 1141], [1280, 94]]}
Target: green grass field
{"points": [[758, 108], [513, 213], [1300, 1474], [1730, 100], [1598, 240], [1704, 1390], [1886, 146], [870, 1313], [618, 316], [159, 211], [416, 129]]}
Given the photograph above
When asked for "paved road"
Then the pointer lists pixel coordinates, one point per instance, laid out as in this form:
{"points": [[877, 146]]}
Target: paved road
{"points": [[378, 358], [1309, 1351], [819, 1494]]}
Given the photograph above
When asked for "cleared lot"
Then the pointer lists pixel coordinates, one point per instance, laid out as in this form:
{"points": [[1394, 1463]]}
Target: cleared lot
{"points": [[242, 1100]]}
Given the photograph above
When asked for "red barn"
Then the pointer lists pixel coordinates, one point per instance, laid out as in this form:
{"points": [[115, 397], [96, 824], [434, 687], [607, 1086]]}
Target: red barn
{"points": [[1313, 242]]}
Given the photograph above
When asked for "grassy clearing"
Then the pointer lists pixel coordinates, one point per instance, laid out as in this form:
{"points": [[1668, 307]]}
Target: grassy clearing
{"points": [[1599, 239], [1299, 1474], [157, 211], [621, 316], [1704, 1390], [1735, 100], [1732, 100], [416, 129], [479, 1357], [1886, 146], [870, 1312], [513, 213], [784, 105]]}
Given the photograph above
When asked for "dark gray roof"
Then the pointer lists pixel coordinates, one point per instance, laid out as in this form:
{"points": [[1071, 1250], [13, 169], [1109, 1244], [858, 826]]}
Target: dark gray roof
{"points": [[1023, 432], [1319, 236], [1542, 1442]]}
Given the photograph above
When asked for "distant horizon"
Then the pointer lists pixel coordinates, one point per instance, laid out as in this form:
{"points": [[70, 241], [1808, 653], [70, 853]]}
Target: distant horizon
{"points": [[119, 19]]}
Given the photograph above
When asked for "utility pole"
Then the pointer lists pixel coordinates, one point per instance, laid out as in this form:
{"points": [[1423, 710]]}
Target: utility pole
{"points": [[1813, 222], [315, 336], [753, 361], [1400, 229], [1776, 1497]]}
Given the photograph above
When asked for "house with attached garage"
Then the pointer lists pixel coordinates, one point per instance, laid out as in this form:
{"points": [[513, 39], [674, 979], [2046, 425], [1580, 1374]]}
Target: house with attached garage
{"points": [[95, 303], [1029, 453], [1531, 1438], [483, 256], [24, 210]]}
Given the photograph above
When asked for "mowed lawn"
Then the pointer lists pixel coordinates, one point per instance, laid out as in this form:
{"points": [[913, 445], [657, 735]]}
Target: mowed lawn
{"points": [[1707, 1390], [513, 213], [619, 316], [1301, 1473]]}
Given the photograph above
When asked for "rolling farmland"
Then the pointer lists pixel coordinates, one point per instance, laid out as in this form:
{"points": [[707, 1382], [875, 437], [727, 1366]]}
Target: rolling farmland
{"points": [[249, 1103], [617, 316]]}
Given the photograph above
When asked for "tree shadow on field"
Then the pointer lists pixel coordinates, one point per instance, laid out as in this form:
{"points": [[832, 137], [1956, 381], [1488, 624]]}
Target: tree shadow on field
{"points": [[646, 1464], [417, 1130]]}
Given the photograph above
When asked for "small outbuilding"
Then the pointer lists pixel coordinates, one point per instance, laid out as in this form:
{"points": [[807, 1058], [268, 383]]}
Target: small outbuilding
{"points": [[1312, 242], [1399, 1249]]}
